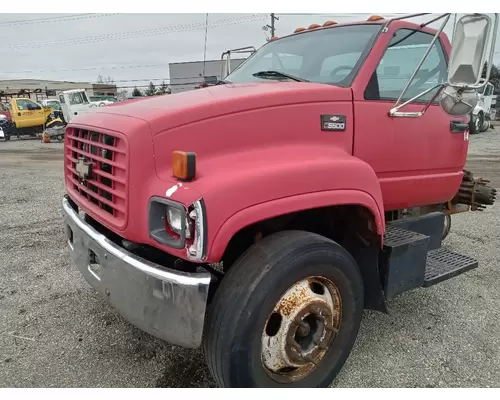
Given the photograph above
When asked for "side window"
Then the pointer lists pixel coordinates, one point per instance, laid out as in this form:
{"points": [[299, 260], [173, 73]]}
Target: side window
{"points": [[75, 98], [489, 90], [61, 98], [400, 60], [27, 105], [32, 106]]}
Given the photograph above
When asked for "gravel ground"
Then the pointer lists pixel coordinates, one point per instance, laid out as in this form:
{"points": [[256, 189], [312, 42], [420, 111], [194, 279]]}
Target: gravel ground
{"points": [[55, 331]]}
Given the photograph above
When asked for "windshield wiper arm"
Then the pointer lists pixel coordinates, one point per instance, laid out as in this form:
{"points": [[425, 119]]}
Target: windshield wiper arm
{"points": [[276, 74]]}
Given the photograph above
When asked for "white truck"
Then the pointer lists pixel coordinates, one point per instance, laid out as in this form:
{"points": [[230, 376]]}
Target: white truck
{"points": [[485, 110], [74, 102]]}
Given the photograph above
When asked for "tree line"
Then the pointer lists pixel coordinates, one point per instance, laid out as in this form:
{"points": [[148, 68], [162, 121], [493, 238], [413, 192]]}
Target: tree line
{"points": [[152, 90]]}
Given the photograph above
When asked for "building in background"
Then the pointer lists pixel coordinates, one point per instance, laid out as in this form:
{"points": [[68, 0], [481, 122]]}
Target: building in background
{"points": [[189, 75], [39, 89]]}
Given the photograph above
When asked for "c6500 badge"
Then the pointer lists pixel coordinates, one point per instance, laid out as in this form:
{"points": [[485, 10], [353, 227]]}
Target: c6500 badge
{"points": [[333, 122]]}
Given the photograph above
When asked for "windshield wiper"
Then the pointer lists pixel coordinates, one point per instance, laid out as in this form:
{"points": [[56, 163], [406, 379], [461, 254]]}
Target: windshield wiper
{"points": [[277, 74]]}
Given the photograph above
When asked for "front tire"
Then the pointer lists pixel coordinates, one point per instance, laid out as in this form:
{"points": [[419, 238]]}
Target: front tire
{"points": [[476, 123], [286, 314]]}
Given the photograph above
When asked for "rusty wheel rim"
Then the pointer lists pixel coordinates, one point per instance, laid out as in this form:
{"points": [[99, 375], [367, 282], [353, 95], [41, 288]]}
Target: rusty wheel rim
{"points": [[301, 329]]}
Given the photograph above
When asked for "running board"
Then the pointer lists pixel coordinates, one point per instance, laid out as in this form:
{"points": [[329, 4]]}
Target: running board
{"points": [[444, 264], [410, 260]]}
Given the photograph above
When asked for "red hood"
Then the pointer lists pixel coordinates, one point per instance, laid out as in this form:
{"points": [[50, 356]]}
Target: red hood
{"points": [[170, 111]]}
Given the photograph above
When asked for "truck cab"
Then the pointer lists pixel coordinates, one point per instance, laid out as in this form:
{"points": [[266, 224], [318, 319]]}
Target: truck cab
{"points": [[264, 213], [74, 102], [485, 110], [27, 113], [27, 117]]}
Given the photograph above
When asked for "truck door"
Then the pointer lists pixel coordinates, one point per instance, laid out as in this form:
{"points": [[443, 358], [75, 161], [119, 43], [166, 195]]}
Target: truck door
{"points": [[64, 107], [486, 97], [415, 159], [28, 113], [78, 103]]}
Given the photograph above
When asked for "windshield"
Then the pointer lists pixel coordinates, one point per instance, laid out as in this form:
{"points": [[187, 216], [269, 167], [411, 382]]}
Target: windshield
{"points": [[54, 104], [328, 56]]}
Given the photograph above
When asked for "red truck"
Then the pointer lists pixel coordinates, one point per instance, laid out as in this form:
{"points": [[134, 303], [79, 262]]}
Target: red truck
{"points": [[259, 217], [5, 110]]}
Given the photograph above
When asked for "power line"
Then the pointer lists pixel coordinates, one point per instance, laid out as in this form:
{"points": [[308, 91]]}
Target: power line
{"points": [[136, 34], [109, 86], [64, 18], [333, 15], [138, 80], [114, 67]]}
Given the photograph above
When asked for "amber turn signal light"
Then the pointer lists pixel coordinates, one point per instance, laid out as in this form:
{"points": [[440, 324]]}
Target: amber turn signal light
{"points": [[375, 18], [299, 30], [329, 23], [314, 26], [184, 165]]}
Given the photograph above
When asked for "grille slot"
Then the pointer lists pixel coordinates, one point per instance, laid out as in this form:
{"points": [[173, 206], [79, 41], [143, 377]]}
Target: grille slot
{"points": [[106, 186]]}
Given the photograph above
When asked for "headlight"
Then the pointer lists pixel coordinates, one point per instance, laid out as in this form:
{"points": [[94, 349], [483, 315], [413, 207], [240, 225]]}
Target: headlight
{"points": [[174, 221]]}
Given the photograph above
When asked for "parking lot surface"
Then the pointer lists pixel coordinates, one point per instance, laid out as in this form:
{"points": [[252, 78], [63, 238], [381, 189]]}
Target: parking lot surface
{"points": [[56, 331]]}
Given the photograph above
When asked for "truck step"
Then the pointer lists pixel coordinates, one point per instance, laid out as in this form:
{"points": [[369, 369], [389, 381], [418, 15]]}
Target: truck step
{"points": [[444, 264], [403, 261]]}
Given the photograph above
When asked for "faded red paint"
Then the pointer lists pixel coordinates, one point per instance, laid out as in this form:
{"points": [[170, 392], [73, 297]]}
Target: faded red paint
{"points": [[261, 152]]}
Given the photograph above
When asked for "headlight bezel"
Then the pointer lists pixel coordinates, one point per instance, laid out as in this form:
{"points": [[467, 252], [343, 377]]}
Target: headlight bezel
{"points": [[193, 218], [157, 220], [197, 250]]}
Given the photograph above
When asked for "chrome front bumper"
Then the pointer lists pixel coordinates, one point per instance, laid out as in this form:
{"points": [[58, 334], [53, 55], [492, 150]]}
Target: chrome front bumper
{"points": [[165, 303]]}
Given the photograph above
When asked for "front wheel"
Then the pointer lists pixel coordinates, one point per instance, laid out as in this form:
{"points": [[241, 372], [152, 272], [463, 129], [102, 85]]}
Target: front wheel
{"points": [[476, 123], [286, 314]]}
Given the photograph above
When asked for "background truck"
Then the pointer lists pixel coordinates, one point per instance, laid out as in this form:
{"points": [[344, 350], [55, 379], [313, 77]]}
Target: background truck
{"points": [[74, 102], [485, 111], [265, 213], [27, 117]]}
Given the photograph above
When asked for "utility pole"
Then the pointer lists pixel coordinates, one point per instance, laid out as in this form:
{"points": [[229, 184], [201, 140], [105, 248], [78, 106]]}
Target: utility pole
{"points": [[271, 27], [273, 18]]}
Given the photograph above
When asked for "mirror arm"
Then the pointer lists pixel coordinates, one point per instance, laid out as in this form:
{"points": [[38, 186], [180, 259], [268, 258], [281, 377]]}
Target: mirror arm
{"points": [[394, 112], [436, 36]]}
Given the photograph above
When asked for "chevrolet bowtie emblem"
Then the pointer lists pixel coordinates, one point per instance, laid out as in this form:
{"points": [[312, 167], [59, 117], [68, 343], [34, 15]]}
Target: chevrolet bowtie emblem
{"points": [[83, 168]]}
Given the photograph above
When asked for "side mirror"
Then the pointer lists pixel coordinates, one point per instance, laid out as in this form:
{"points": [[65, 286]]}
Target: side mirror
{"points": [[468, 56], [468, 50]]}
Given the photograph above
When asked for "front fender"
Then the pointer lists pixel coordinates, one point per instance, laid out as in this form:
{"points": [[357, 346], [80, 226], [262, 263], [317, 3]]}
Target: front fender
{"points": [[288, 205], [243, 188], [476, 110]]}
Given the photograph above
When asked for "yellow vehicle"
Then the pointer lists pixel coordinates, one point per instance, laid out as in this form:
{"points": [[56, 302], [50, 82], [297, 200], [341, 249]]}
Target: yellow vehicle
{"points": [[30, 118]]}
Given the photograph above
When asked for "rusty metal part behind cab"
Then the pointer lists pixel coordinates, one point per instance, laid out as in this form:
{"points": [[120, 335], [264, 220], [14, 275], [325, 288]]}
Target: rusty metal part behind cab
{"points": [[475, 193]]}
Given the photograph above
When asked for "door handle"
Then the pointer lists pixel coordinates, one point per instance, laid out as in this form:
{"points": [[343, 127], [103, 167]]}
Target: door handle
{"points": [[458, 126], [18, 114]]}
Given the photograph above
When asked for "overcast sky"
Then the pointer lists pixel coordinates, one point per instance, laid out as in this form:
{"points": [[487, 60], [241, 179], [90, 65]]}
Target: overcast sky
{"points": [[133, 48]]}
